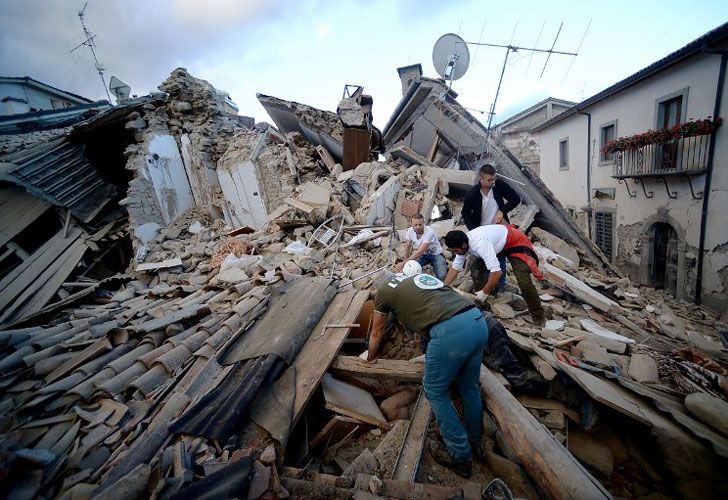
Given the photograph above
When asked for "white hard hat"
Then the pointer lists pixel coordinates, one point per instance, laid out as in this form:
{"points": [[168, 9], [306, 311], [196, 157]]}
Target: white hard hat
{"points": [[411, 268]]}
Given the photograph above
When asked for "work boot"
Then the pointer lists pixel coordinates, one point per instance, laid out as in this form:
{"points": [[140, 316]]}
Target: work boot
{"points": [[478, 451], [441, 456]]}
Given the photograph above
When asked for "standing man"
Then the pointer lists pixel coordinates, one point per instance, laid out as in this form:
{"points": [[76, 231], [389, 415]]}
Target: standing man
{"points": [[428, 248], [488, 243], [489, 203], [457, 335]]}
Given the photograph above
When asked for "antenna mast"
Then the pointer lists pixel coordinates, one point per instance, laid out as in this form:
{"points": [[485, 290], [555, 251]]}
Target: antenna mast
{"points": [[89, 42], [513, 48]]}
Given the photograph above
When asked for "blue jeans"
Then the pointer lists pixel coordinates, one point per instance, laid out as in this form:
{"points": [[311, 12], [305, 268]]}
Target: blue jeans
{"points": [[439, 264], [455, 352], [479, 274]]}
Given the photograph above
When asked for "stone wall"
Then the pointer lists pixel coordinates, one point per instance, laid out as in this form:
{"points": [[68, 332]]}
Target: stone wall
{"points": [[524, 146]]}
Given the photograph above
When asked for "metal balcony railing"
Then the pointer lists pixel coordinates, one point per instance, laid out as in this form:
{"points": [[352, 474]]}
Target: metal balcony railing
{"points": [[683, 156]]}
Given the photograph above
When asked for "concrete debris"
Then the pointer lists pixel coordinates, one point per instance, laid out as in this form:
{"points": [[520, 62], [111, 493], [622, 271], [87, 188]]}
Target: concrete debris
{"points": [[557, 245], [709, 409], [218, 218], [643, 368], [503, 311]]}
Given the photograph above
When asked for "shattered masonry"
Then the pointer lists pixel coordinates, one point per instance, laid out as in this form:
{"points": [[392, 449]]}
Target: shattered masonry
{"points": [[164, 380]]}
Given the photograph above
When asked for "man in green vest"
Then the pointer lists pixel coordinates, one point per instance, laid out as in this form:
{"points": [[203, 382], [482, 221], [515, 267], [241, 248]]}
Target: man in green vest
{"points": [[457, 334]]}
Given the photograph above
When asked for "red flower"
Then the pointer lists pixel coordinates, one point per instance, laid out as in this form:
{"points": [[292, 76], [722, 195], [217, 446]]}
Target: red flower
{"points": [[688, 129]]}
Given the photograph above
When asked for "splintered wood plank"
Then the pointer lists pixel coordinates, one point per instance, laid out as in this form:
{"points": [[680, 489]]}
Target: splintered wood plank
{"points": [[388, 369], [556, 472], [335, 429], [414, 442], [576, 287], [548, 404], [543, 367], [605, 393], [352, 401], [322, 346]]}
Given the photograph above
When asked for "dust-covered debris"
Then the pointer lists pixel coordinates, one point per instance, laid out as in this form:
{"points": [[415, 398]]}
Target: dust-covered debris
{"points": [[89, 392]]}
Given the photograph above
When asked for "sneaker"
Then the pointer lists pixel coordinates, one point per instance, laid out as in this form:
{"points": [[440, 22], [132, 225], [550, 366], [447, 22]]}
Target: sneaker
{"points": [[441, 456]]}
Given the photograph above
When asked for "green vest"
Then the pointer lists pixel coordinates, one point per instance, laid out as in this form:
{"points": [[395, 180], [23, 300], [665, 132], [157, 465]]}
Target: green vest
{"points": [[419, 302]]}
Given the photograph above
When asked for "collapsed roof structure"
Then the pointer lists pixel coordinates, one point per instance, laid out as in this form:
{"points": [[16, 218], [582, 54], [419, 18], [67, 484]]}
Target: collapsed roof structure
{"points": [[220, 359]]}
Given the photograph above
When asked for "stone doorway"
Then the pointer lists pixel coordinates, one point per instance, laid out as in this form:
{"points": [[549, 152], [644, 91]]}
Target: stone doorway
{"points": [[662, 264]]}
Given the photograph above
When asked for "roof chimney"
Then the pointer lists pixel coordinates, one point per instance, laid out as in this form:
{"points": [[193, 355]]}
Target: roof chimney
{"points": [[408, 74]]}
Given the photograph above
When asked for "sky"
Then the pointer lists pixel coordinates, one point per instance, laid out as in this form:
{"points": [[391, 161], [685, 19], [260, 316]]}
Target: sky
{"points": [[307, 51]]}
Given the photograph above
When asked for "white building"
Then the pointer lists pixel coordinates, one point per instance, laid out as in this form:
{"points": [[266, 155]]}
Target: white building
{"points": [[647, 208], [25, 95]]}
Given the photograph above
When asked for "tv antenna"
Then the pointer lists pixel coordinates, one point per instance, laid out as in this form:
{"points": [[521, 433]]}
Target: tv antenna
{"points": [[514, 48], [455, 46], [89, 42], [451, 57]]}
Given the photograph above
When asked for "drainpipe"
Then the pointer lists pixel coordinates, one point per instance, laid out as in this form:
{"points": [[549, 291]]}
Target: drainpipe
{"points": [[708, 176], [588, 170]]}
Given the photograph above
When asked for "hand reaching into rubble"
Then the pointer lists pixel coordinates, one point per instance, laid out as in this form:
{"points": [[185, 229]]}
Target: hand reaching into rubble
{"points": [[398, 268], [481, 298]]}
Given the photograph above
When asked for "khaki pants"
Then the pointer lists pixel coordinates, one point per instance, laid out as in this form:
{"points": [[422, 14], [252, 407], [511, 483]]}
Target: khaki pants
{"points": [[523, 277]]}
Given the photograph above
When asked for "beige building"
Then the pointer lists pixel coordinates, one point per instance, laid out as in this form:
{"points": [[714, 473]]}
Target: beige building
{"points": [[517, 134], [659, 211]]}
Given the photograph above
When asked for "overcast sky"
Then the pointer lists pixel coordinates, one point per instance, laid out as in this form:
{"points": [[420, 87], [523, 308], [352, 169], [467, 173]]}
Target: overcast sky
{"points": [[308, 51]]}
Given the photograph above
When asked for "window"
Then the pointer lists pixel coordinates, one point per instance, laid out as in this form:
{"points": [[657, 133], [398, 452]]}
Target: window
{"points": [[607, 132], [671, 109], [564, 154], [604, 234], [668, 112]]}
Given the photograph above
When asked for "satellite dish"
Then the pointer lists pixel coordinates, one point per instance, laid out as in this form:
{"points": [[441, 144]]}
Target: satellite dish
{"points": [[120, 89], [451, 56]]}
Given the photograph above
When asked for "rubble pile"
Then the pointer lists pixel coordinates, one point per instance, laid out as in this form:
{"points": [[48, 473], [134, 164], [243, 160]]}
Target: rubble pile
{"points": [[195, 107], [106, 398]]}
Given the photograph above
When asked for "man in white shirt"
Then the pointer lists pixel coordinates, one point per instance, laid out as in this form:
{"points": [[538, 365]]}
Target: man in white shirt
{"points": [[427, 247], [489, 243]]}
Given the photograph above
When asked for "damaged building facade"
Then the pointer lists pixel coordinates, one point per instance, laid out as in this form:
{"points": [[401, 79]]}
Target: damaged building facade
{"points": [[656, 208], [222, 359], [516, 133]]}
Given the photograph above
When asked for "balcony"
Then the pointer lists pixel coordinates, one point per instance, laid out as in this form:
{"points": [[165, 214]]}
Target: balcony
{"points": [[680, 156]]}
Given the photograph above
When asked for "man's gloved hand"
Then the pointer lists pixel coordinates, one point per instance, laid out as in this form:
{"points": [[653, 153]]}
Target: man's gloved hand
{"points": [[481, 298]]}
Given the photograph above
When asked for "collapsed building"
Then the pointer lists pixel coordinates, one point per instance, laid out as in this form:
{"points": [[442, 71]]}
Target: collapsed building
{"points": [[216, 354]]}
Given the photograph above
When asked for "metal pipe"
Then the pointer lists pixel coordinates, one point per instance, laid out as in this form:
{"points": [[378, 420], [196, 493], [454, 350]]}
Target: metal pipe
{"points": [[588, 171], [362, 276], [708, 177]]}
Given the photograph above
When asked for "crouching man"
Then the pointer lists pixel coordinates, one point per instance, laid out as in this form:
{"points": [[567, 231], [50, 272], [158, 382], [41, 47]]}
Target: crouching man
{"points": [[427, 247], [489, 242], [457, 336]]}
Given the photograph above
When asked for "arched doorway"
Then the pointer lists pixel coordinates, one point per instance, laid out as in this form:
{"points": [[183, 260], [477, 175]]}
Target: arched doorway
{"points": [[664, 257]]}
